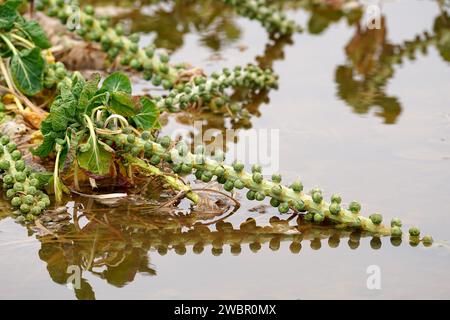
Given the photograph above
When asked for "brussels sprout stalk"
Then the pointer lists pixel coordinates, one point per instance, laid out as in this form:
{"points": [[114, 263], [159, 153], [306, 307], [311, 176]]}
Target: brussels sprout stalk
{"points": [[173, 182], [287, 197]]}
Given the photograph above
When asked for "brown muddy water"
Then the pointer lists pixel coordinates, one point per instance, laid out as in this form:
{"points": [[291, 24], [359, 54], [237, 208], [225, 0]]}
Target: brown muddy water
{"points": [[375, 132]]}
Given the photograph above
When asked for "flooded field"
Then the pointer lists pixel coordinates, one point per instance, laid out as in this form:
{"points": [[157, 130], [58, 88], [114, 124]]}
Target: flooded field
{"points": [[361, 113]]}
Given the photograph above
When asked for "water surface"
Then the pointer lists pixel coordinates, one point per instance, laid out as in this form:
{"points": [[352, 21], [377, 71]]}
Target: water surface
{"points": [[375, 132]]}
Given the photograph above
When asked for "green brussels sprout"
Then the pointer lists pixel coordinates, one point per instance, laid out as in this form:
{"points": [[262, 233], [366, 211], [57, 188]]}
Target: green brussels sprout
{"points": [[88, 9], [24, 208], [414, 232], [16, 155], [165, 142], [164, 58], [274, 202], [259, 196], [219, 171], [149, 52], [35, 211], [396, 232], [283, 207], [376, 218], [10, 193], [119, 29], [135, 64], [427, 240], [134, 48], [4, 164], [42, 205], [8, 179], [34, 182], [206, 176], [131, 138], [229, 185], [146, 135], [309, 216], [20, 177], [257, 177], [354, 207], [20, 166], [318, 217], [277, 190], [335, 208], [297, 186], [16, 201], [238, 184], [298, 205], [4, 140], [31, 190], [155, 160], [251, 195], [396, 222], [336, 198], [134, 37], [11, 146], [238, 167], [276, 177], [28, 199], [256, 168], [317, 197]]}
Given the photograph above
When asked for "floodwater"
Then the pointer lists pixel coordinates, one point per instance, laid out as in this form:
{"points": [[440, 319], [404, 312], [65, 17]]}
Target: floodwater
{"points": [[348, 121]]}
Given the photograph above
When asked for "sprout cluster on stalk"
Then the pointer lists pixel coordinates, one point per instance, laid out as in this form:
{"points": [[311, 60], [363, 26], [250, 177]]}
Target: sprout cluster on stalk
{"points": [[285, 198], [21, 185]]}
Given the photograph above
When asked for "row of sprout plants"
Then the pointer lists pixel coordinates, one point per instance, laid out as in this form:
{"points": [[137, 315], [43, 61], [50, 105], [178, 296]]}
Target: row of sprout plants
{"points": [[94, 130]]}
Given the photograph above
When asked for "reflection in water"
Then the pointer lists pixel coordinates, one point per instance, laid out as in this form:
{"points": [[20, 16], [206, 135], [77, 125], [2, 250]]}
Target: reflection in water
{"points": [[361, 83], [116, 244], [170, 21]]}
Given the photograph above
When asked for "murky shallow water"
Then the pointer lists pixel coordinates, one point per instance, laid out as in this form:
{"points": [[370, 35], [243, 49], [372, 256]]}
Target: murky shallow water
{"points": [[395, 161]]}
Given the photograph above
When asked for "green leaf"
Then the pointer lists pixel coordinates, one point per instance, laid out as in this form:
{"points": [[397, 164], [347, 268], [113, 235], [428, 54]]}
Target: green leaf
{"points": [[147, 118], [122, 103], [36, 34], [78, 84], [96, 159], [88, 92], [46, 147], [13, 4], [7, 16], [117, 82], [27, 70]]}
